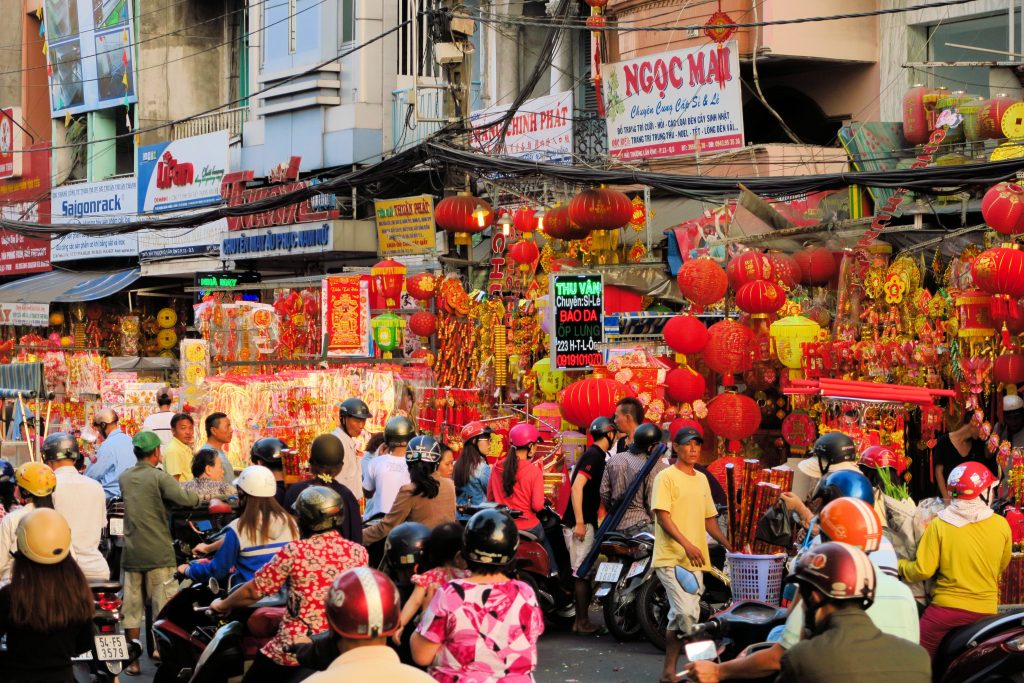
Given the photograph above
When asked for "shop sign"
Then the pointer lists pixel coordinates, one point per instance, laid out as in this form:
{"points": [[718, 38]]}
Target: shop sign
{"points": [[577, 328], [675, 103], [31, 315], [225, 278], [183, 173], [405, 226], [345, 300], [284, 241], [284, 179], [20, 254], [107, 201], [500, 278], [172, 243], [541, 129], [10, 143]]}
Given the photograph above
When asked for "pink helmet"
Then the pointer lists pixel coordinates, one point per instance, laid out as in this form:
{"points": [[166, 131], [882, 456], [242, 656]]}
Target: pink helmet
{"points": [[877, 457], [523, 435]]}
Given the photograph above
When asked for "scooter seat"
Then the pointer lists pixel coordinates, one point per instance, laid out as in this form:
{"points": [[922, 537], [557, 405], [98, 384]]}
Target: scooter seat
{"points": [[264, 622], [527, 536], [959, 639], [104, 586]]}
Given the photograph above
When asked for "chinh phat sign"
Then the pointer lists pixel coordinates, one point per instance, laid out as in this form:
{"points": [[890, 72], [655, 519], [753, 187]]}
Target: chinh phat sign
{"points": [[541, 129], [183, 173], [345, 300], [31, 315], [405, 226], [675, 103], [577, 327], [107, 201], [284, 179], [303, 238]]}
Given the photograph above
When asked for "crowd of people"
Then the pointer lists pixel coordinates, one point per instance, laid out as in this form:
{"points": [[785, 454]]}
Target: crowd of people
{"points": [[453, 606]]}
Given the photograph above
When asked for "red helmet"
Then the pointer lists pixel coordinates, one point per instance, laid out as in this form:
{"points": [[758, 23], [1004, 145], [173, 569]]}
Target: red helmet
{"points": [[364, 603], [523, 435], [838, 571], [474, 429], [852, 521], [876, 457], [969, 480]]}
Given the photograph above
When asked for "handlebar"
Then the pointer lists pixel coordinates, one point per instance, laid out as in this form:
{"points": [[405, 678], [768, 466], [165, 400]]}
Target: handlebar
{"points": [[473, 509], [706, 628]]}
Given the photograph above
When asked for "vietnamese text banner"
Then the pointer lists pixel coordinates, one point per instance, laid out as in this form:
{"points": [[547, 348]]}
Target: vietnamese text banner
{"points": [[405, 226], [107, 201], [541, 129]]}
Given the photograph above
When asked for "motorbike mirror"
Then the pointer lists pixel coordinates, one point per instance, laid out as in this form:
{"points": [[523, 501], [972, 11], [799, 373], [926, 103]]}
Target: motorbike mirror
{"points": [[214, 585], [687, 580], [702, 649], [219, 507]]}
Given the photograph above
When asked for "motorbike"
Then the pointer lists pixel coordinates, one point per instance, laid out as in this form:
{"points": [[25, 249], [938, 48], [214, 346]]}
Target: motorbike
{"points": [[991, 649], [192, 526], [112, 537], [619, 579], [111, 651]]}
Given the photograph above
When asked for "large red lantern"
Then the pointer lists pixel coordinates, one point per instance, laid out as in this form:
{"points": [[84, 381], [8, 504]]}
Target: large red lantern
{"points": [[588, 399], [734, 417], [525, 219], [785, 270], [1000, 270], [422, 286], [684, 385], [524, 253], [817, 265], [990, 116], [597, 3], [681, 422], [464, 215], [915, 116], [685, 334], [423, 323], [729, 350], [1009, 368], [747, 267], [1003, 208], [558, 225], [388, 277], [760, 298], [600, 209], [702, 281]]}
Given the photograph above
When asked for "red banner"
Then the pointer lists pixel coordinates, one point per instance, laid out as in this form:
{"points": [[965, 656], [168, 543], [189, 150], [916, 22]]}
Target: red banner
{"points": [[26, 199], [346, 304]]}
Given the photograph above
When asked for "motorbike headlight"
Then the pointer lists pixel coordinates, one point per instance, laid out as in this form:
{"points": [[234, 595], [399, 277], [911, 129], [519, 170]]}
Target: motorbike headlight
{"points": [[1015, 645]]}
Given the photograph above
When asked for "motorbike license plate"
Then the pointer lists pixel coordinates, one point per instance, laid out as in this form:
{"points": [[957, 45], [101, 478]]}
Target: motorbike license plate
{"points": [[115, 525], [111, 648], [608, 572], [638, 567]]}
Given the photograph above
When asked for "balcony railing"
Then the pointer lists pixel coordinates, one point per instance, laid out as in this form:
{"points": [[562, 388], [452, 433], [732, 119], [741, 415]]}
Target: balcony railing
{"points": [[230, 119]]}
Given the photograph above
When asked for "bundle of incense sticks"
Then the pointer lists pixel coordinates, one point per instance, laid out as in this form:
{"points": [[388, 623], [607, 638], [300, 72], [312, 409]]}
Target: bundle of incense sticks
{"points": [[1011, 584], [767, 494], [751, 475], [781, 476]]}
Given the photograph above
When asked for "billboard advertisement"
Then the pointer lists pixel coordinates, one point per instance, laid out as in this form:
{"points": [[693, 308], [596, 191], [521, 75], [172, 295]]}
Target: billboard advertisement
{"points": [[405, 226], [107, 201], [182, 174], [10, 143], [675, 103], [541, 129]]}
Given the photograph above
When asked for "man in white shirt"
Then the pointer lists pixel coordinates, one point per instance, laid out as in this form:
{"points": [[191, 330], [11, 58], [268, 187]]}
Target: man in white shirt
{"points": [[352, 417], [160, 421], [82, 502], [388, 472]]}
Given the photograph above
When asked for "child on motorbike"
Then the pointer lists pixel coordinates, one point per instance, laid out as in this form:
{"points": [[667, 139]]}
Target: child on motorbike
{"points": [[445, 562]]}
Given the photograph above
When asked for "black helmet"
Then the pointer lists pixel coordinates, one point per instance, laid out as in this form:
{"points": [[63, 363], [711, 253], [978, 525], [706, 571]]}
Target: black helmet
{"points": [[60, 446], [398, 431], [833, 448], [406, 544], [602, 427], [354, 407], [645, 436], [326, 451], [319, 509], [268, 452], [6, 473], [423, 449], [491, 538]]}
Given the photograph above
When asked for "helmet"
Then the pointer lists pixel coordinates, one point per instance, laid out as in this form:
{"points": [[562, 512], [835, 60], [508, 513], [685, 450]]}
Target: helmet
{"points": [[326, 451], [423, 449], [398, 431], [838, 571], [829, 449], [6, 473], [319, 509], [269, 452], [851, 521], [257, 481], [845, 484], [354, 407], [104, 417], [60, 446], [44, 536], [523, 435], [36, 478], [969, 480], [645, 436], [364, 603], [405, 544], [474, 429], [602, 427], [490, 537], [877, 457]]}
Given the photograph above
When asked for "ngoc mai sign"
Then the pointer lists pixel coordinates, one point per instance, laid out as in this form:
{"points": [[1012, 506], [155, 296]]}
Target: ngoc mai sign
{"points": [[675, 103]]}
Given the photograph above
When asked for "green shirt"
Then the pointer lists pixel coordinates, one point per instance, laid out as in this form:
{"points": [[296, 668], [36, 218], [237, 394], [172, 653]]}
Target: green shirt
{"points": [[147, 491]]}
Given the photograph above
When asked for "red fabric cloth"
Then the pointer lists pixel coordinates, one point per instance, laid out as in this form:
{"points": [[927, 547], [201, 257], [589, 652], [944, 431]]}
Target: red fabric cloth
{"points": [[527, 495], [937, 621]]}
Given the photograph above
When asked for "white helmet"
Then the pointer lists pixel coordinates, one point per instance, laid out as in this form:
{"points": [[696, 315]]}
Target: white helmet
{"points": [[257, 481]]}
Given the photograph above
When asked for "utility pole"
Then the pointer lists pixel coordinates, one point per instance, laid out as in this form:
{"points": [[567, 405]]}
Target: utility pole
{"points": [[455, 56]]}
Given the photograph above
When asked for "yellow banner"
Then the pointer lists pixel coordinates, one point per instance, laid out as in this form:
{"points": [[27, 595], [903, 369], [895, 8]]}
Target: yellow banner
{"points": [[405, 226]]}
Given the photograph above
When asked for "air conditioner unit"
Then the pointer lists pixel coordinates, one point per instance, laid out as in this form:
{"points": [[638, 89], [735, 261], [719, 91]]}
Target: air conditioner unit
{"points": [[448, 53]]}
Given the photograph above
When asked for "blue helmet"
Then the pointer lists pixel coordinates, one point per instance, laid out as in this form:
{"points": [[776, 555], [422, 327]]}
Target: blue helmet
{"points": [[6, 473], [845, 484]]}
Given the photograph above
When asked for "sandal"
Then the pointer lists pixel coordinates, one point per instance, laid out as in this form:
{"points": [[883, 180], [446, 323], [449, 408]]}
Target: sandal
{"points": [[133, 670], [593, 630]]}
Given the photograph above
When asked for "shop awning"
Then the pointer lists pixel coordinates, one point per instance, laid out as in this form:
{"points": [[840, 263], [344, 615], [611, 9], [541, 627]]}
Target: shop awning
{"points": [[61, 286]]}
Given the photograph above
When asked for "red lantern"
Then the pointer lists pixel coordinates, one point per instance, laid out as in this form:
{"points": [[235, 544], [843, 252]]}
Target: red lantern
{"points": [[598, 4], [915, 116], [734, 417], [1003, 208], [817, 265], [1000, 270], [785, 270], [681, 422], [990, 116], [596, 22], [702, 281], [524, 253], [423, 323], [600, 209], [760, 298], [747, 267], [685, 334], [684, 385], [388, 277], [525, 219], [463, 215], [586, 400], [421, 286], [558, 225], [729, 349], [1009, 368]]}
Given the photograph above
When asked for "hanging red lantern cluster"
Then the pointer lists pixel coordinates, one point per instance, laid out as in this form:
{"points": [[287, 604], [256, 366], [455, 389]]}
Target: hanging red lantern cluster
{"points": [[388, 277], [685, 334], [817, 266], [524, 220], [588, 399], [734, 417], [464, 215], [525, 253], [747, 267], [558, 225], [702, 281], [729, 349], [1009, 368], [423, 323], [760, 298], [600, 209], [422, 287], [684, 385], [1002, 207]]}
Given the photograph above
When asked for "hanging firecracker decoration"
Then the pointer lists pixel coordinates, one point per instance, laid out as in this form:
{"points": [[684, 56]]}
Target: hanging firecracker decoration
{"points": [[702, 281], [588, 399], [600, 209], [388, 277], [760, 298], [729, 349], [1002, 207], [734, 417], [558, 225], [422, 287], [747, 267], [685, 334], [817, 265], [684, 385], [463, 215]]}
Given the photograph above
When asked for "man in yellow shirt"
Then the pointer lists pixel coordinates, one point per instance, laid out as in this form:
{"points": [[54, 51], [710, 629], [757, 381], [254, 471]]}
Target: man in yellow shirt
{"points": [[966, 548], [178, 451], [685, 512]]}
